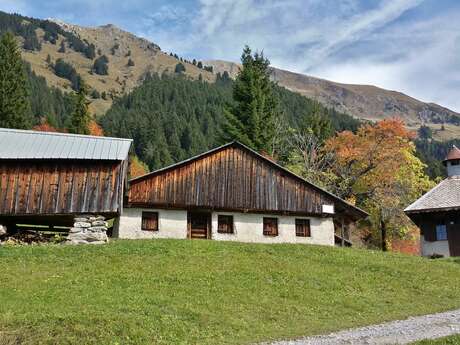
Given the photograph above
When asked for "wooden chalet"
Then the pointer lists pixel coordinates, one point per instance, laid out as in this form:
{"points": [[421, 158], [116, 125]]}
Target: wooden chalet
{"points": [[49, 178], [233, 193], [437, 213]]}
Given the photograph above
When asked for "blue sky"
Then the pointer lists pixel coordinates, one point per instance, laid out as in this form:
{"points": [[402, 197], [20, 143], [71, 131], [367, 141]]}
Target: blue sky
{"points": [[411, 46]]}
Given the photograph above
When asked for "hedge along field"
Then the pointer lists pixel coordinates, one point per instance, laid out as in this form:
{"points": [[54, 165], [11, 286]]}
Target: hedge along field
{"points": [[209, 292]]}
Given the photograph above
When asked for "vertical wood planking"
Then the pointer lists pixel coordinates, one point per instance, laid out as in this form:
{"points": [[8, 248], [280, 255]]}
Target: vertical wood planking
{"points": [[230, 178], [59, 187]]}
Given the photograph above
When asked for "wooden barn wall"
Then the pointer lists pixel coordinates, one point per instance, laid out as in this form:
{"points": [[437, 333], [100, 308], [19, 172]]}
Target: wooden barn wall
{"points": [[60, 187], [232, 179]]}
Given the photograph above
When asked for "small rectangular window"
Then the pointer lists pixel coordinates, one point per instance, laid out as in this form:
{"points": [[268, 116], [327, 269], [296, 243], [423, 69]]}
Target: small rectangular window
{"points": [[270, 226], [225, 224], [302, 227], [441, 232], [150, 221]]}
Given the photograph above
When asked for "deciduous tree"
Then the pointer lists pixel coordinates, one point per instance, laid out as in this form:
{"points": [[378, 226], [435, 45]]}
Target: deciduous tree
{"points": [[137, 167], [377, 169]]}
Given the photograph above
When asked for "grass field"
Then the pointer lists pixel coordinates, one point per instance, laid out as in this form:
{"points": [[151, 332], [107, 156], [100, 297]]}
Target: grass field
{"points": [[206, 292], [452, 340]]}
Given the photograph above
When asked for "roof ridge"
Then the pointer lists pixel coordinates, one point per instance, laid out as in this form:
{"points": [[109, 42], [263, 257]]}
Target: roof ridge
{"points": [[417, 205], [35, 132], [424, 196]]}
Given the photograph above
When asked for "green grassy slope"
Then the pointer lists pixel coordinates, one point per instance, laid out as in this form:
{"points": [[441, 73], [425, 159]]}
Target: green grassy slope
{"points": [[452, 340], [206, 292]]}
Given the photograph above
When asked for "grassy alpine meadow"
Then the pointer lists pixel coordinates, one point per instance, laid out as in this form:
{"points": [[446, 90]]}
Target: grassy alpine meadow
{"points": [[209, 292], [452, 340]]}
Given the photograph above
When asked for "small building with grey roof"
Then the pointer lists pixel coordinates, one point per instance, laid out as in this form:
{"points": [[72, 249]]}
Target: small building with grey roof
{"points": [[437, 213], [49, 178]]}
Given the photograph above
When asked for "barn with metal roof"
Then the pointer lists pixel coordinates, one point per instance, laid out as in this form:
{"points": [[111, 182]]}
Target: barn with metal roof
{"points": [[50, 178]]}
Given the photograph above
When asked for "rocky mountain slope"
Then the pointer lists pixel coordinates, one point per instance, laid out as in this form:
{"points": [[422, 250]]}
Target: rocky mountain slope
{"points": [[120, 47], [363, 101]]}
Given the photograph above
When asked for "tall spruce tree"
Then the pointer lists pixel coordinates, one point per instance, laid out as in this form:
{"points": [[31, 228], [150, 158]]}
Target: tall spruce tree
{"points": [[80, 117], [14, 101], [253, 117]]}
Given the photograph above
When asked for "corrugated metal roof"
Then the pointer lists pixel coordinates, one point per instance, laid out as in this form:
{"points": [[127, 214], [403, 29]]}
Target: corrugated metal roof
{"points": [[22, 144], [446, 195]]}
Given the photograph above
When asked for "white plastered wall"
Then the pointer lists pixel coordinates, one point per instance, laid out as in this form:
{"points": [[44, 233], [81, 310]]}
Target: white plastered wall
{"points": [[436, 247], [248, 227], [171, 224]]}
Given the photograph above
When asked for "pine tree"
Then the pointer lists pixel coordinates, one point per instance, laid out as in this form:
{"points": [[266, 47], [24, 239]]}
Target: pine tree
{"points": [[100, 65], [253, 117], [318, 123], [14, 101], [80, 117], [62, 47], [179, 69]]}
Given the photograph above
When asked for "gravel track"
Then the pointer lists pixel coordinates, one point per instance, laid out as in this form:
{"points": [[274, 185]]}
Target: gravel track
{"points": [[396, 332]]}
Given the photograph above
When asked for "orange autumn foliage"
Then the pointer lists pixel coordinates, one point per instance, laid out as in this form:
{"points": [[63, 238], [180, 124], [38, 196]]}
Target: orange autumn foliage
{"points": [[44, 126], [373, 155], [95, 129], [137, 167], [377, 168]]}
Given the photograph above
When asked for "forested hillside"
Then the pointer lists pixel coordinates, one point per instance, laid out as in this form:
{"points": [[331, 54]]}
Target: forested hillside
{"points": [[172, 118], [47, 103], [432, 152], [27, 27]]}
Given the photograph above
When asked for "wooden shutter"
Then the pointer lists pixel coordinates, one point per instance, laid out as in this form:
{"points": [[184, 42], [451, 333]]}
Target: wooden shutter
{"points": [[270, 226], [225, 224], [150, 221], [302, 227]]}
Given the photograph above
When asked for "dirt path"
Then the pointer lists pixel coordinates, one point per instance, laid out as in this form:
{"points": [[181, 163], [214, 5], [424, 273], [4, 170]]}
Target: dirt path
{"points": [[395, 332]]}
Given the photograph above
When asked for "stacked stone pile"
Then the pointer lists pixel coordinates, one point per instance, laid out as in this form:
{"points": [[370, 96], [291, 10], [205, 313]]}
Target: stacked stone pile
{"points": [[2, 233], [88, 230]]}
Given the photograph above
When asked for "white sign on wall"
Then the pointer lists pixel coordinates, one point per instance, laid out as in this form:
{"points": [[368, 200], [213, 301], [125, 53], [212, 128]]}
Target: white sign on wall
{"points": [[328, 209]]}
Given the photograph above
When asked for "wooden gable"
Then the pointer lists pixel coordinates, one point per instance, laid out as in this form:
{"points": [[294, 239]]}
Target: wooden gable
{"points": [[232, 177]]}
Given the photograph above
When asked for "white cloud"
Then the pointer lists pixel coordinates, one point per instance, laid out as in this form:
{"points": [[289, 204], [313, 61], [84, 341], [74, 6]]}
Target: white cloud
{"points": [[420, 59], [343, 41]]}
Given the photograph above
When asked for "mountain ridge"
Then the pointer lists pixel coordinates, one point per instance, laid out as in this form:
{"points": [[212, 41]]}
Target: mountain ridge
{"points": [[368, 102], [130, 58]]}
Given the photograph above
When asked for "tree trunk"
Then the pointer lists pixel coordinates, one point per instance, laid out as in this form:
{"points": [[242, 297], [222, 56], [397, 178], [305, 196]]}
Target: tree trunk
{"points": [[383, 229]]}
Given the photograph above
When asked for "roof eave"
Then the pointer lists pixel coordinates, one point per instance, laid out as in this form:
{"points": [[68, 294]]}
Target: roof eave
{"points": [[432, 210]]}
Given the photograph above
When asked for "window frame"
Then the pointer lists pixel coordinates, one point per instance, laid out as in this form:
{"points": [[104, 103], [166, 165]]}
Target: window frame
{"points": [[145, 215], [441, 227], [306, 232], [265, 222], [231, 223]]}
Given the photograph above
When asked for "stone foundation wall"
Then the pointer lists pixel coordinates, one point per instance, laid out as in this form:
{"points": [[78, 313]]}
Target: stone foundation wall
{"points": [[88, 230]]}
